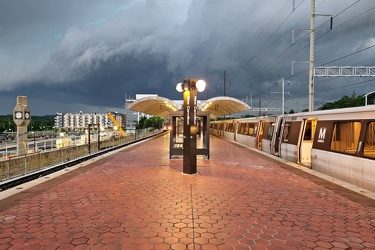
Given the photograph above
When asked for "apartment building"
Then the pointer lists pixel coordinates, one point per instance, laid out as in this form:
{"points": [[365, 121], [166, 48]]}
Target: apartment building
{"points": [[82, 120]]}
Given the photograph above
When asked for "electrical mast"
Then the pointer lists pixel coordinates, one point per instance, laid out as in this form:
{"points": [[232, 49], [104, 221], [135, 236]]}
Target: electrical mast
{"points": [[311, 64]]}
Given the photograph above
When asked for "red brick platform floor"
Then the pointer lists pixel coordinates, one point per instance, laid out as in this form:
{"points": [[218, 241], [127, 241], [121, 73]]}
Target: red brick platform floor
{"points": [[138, 199]]}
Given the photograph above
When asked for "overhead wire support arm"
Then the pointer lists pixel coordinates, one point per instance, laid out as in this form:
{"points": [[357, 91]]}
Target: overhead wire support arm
{"points": [[297, 62], [345, 71]]}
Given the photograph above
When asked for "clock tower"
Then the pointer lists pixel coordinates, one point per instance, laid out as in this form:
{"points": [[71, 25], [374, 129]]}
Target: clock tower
{"points": [[21, 117]]}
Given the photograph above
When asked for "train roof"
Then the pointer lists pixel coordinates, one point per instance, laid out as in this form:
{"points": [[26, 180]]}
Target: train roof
{"points": [[368, 108]]}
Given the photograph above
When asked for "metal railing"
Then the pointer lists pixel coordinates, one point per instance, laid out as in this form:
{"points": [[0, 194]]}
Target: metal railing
{"points": [[18, 166]]}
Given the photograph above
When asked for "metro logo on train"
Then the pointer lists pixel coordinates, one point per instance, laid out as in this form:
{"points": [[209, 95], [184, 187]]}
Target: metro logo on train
{"points": [[322, 135]]}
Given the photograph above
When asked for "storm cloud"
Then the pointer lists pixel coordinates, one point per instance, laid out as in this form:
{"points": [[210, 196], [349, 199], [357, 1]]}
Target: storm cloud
{"points": [[70, 56]]}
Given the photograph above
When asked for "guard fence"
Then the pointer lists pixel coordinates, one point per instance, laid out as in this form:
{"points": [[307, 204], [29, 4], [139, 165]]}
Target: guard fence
{"points": [[13, 167]]}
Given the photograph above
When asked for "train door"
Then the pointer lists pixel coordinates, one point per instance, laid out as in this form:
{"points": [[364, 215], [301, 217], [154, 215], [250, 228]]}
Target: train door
{"points": [[277, 135], [305, 144], [260, 134]]}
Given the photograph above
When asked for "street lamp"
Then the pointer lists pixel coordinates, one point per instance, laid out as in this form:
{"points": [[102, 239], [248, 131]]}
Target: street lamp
{"points": [[189, 88]]}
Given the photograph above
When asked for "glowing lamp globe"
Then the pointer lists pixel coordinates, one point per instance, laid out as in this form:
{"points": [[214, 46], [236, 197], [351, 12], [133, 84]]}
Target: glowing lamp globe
{"points": [[201, 85], [179, 87]]}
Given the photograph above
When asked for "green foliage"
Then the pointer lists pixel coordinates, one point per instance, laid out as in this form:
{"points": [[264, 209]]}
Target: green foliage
{"points": [[345, 102], [37, 123], [7, 124], [154, 122], [141, 123]]}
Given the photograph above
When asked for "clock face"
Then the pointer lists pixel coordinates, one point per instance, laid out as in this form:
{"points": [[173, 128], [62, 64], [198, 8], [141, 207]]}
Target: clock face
{"points": [[18, 115], [27, 115]]}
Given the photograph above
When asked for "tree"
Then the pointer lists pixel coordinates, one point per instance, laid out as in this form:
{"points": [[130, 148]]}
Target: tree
{"points": [[37, 123], [345, 102], [141, 123], [155, 122]]}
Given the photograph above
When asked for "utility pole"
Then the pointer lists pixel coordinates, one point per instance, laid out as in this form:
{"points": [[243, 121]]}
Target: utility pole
{"points": [[260, 105], [311, 64], [282, 81]]}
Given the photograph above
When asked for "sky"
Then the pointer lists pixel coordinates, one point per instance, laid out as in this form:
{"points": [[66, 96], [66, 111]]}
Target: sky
{"points": [[87, 55]]}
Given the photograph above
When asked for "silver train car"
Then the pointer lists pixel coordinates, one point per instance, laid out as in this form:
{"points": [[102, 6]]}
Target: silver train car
{"points": [[339, 143]]}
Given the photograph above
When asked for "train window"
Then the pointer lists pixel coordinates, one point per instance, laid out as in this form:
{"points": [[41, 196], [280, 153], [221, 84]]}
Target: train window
{"points": [[229, 127], [242, 128], [286, 132], [252, 128], [246, 130], [369, 148], [307, 136], [345, 137], [270, 130]]}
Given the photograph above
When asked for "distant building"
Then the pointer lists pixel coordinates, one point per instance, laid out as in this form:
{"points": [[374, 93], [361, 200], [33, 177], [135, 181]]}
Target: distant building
{"points": [[82, 120], [133, 117]]}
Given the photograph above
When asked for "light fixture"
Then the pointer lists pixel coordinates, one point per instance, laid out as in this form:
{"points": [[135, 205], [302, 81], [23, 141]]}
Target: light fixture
{"points": [[200, 85], [179, 87]]}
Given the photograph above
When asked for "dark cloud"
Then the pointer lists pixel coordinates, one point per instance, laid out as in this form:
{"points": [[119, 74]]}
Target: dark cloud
{"points": [[85, 55]]}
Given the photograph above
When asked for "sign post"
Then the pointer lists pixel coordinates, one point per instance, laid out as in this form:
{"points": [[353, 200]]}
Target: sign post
{"points": [[21, 117], [190, 128]]}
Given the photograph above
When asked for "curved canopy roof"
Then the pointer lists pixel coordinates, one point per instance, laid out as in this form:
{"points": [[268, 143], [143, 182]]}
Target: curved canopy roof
{"points": [[154, 105], [223, 105], [160, 106]]}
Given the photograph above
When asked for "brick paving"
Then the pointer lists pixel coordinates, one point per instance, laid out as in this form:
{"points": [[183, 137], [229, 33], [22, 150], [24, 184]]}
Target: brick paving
{"points": [[138, 199]]}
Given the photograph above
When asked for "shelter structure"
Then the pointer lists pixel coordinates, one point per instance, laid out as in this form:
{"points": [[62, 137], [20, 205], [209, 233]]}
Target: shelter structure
{"points": [[167, 109], [154, 105], [217, 106], [223, 105]]}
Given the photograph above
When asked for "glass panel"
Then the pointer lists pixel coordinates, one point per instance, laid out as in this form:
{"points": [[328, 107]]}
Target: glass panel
{"points": [[270, 131], [251, 128], [286, 132], [345, 137], [246, 131], [308, 130], [369, 148]]}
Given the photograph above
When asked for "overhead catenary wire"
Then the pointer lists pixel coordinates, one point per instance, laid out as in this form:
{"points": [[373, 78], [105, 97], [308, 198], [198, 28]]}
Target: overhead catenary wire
{"points": [[285, 33], [270, 64], [277, 61], [257, 37], [321, 37], [262, 49]]}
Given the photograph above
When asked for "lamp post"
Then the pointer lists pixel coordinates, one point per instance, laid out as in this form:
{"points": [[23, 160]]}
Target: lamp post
{"points": [[189, 88]]}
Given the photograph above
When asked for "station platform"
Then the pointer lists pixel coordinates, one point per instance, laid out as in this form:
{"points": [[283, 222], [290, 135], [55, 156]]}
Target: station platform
{"points": [[138, 198]]}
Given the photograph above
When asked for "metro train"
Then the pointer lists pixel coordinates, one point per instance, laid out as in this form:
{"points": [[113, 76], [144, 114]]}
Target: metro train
{"points": [[339, 143]]}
